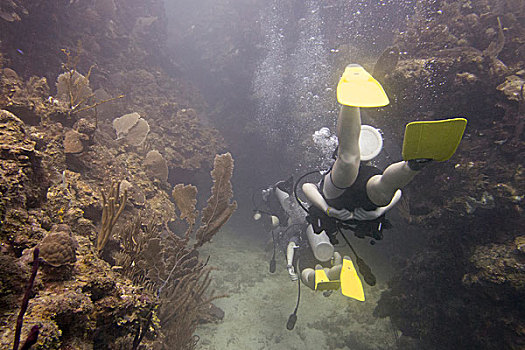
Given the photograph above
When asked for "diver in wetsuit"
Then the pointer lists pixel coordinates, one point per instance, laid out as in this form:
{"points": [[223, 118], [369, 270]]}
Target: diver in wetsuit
{"points": [[355, 195], [353, 192], [287, 220]]}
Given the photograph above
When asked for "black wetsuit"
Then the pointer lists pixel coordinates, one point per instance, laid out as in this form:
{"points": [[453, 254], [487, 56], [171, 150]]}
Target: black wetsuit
{"points": [[352, 198], [355, 196]]}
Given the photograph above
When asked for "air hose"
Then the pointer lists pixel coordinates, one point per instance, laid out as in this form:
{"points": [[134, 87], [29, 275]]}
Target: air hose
{"points": [[290, 324], [297, 184], [364, 269]]}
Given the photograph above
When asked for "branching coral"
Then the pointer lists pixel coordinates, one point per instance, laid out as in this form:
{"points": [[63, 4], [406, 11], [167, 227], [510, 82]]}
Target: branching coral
{"points": [[73, 87], [170, 266], [171, 269], [113, 206]]}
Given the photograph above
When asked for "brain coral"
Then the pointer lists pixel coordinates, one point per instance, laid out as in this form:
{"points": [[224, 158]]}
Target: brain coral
{"points": [[58, 248]]}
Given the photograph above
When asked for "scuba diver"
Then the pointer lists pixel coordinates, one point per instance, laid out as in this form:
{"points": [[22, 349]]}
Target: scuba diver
{"points": [[286, 221], [353, 195]]}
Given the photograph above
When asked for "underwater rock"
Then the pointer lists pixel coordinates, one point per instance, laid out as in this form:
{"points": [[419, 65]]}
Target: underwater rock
{"points": [[499, 265], [13, 140], [500, 283], [212, 313], [486, 202], [24, 99], [105, 8], [512, 87], [99, 288], [520, 243], [12, 281], [74, 142], [108, 110], [142, 25], [64, 317], [22, 182], [156, 166], [85, 126], [10, 11], [135, 194]]}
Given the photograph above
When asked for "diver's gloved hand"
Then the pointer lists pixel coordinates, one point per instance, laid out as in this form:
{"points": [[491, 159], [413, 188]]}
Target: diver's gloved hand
{"points": [[341, 214], [291, 273], [363, 215]]}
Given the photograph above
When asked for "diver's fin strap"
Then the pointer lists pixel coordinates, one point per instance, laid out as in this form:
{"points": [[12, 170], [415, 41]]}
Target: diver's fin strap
{"points": [[437, 140], [351, 285], [322, 282]]}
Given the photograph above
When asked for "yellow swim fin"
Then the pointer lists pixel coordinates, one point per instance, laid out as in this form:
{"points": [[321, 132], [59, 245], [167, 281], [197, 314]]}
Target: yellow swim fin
{"points": [[358, 88], [322, 282], [437, 140], [351, 285]]}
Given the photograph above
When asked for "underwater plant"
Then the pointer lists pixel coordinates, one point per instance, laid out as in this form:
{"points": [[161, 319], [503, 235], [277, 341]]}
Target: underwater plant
{"points": [[113, 205]]}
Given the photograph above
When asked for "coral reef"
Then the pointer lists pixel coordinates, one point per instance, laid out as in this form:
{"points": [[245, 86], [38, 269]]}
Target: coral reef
{"points": [[57, 154], [169, 265]]}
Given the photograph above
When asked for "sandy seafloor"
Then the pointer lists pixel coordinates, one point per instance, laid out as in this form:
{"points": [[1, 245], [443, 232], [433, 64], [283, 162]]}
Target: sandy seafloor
{"points": [[259, 303]]}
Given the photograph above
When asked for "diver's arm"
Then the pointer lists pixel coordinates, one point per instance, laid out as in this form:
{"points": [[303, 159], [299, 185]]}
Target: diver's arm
{"points": [[312, 193], [361, 214]]}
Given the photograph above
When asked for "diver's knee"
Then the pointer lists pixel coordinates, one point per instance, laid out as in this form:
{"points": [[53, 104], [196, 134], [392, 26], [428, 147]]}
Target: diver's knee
{"points": [[348, 160], [308, 277], [378, 192], [337, 259]]}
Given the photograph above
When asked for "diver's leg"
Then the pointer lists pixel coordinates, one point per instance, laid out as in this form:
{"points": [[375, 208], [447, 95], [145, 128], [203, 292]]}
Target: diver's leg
{"points": [[381, 188], [308, 277], [282, 197], [346, 167], [333, 273]]}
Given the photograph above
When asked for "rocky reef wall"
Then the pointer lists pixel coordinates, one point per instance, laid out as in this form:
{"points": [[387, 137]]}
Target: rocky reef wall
{"points": [[119, 269], [465, 289]]}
